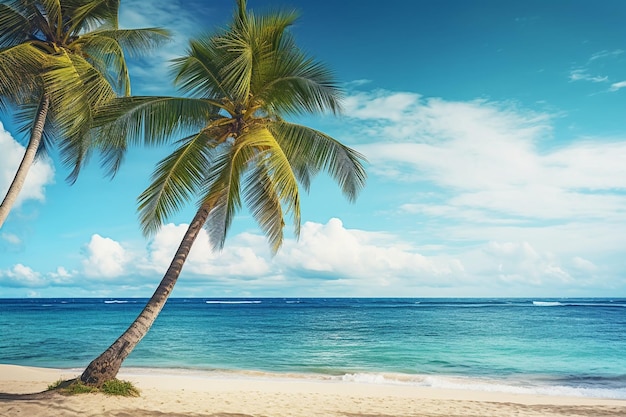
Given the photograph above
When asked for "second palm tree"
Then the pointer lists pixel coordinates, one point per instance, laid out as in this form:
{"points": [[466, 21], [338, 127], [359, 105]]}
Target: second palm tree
{"points": [[236, 146]]}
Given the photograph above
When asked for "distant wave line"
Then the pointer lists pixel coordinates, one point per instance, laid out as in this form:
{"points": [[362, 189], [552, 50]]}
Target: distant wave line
{"points": [[547, 303], [233, 302], [576, 304]]}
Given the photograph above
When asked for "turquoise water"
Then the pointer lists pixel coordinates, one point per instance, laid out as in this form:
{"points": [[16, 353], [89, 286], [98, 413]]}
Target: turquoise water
{"points": [[564, 347]]}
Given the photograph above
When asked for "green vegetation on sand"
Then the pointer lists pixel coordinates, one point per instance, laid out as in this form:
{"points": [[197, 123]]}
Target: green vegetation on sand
{"points": [[112, 387]]}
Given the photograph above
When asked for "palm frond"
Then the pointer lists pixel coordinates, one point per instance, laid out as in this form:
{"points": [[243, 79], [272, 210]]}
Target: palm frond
{"points": [[20, 66], [89, 15], [222, 191], [274, 160], [264, 204], [107, 56], [51, 10], [258, 151], [308, 147], [75, 150], [237, 66], [298, 84], [152, 120], [14, 26], [136, 42], [198, 72], [76, 87], [176, 179], [71, 52]]}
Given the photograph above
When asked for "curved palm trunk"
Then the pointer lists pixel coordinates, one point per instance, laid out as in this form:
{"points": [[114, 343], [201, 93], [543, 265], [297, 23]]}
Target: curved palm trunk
{"points": [[27, 160], [106, 366]]}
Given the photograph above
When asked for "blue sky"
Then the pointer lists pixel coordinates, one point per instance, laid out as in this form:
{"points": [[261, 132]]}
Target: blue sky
{"points": [[495, 136]]}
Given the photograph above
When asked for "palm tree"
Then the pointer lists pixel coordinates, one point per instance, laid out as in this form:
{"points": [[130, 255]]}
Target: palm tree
{"points": [[59, 61], [236, 146]]}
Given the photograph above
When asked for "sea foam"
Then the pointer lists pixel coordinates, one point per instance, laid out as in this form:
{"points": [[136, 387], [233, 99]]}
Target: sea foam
{"points": [[547, 303]]}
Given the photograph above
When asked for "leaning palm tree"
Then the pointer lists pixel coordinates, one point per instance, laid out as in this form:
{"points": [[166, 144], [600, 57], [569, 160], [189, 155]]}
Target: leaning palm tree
{"points": [[236, 147], [59, 61]]}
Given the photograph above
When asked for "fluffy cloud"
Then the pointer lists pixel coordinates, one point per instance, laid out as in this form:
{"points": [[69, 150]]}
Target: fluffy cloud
{"points": [[330, 251], [245, 257], [40, 174], [21, 276], [324, 251], [353, 259], [104, 257], [521, 262], [329, 259]]}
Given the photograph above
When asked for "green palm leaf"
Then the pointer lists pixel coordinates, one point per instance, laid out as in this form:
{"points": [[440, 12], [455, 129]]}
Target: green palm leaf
{"points": [[198, 73], [19, 69], [136, 41], [152, 120], [89, 15], [15, 26], [310, 151], [264, 204], [176, 179]]}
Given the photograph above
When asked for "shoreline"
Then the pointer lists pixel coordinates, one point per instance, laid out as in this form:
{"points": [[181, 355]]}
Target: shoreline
{"points": [[171, 392]]}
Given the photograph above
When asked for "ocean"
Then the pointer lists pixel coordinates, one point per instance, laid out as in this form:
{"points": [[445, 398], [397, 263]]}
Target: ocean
{"points": [[572, 347]]}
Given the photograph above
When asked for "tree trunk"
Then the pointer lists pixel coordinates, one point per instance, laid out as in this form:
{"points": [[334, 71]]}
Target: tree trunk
{"points": [[27, 160], [106, 366]]}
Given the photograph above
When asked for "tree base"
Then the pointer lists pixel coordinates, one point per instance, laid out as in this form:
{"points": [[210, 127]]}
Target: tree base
{"points": [[102, 369]]}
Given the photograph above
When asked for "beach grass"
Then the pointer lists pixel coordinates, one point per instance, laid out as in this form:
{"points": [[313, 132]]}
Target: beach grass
{"points": [[114, 387]]}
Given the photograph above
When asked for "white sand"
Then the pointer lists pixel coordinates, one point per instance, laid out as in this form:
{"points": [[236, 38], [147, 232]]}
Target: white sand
{"points": [[197, 395]]}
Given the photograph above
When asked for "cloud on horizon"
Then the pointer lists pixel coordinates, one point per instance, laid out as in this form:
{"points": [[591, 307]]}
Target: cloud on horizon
{"points": [[328, 260]]}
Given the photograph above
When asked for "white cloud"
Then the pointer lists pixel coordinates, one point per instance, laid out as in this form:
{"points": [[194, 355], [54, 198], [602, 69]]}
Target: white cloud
{"points": [[246, 255], [21, 276], [583, 75], [62, 276], [606, 54], [353, 259], [493, 174], [368, 259], [105, 258], [596, 63], [488, 156], [329, 259], [380, 105], [40, 175], [618, 86], [520, 262], [356, 259]]}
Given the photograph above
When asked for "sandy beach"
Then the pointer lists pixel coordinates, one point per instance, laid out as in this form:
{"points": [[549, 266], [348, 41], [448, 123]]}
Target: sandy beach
{"points": [[197, 395]]}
